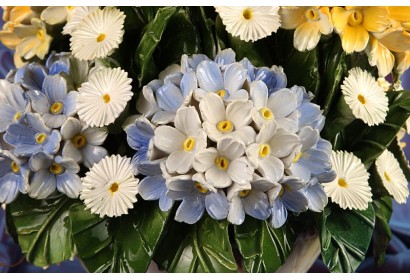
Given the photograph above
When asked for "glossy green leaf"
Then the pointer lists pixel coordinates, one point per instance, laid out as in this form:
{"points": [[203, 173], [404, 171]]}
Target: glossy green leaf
{"points": [[345, 237], [43, 229], [382, 233], [220, 34], [123, 244], [202, 247], [263, 248], [144, 65], [257, 52], [205, 25]]}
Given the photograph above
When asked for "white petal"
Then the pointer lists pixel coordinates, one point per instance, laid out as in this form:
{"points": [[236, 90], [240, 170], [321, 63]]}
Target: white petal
{"points": [[240, 171], [168, 139]]}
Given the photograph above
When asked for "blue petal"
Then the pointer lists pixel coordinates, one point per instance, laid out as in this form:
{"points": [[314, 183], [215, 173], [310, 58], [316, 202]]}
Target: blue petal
{"points": [[9, 187], [169, 97], [39, 101], [7, 114], [5, 162], [188, 83], [165, 203], [309, 114], [250, 69], [54, 121], [52, 144], [18, 134], [42, 185], [316, 161], [152, 187], [70, 104], [196, 59], [69, 184], [149, 168], [190, 210], [173, 78], [139, 134], [326, 177], [40, 161], [209, 76], [217, 205], [34, 76], [295, 201], [279, 214], [58, 67], [256, 204], [17, 98], [92, 154], [26, 150], [227, 56], [234, 77], [55, 87], [274, 81], [36, 122], [317, 198]]}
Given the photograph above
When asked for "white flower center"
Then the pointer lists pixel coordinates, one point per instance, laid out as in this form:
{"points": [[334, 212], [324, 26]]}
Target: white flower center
{"points": [[225, 126], [264, 150], [222, 163]]}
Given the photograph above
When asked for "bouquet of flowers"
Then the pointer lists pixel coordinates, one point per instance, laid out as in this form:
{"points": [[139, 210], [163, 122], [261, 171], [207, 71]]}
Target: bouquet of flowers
{"points": [[205, 139]]}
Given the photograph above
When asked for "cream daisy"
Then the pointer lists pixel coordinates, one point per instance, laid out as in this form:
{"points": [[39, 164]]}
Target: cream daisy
{"points": [[250, 23], [98, 34], [76, 16], [365, 97], [350, 189], [103, 98], [392, 176], [110, 188]]}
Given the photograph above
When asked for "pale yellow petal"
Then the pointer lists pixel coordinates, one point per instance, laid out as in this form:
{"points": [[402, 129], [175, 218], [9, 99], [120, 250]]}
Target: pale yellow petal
{"points": [[306, 36], [376, 19], [20, 13], [17, 61], [402, 62], [23, 31], [27, 48], [380, 56], [325, 23], [339, 18], [395, 39], [291, 17], [354, 39], [54, 14], [44, 46], [399, 13]]}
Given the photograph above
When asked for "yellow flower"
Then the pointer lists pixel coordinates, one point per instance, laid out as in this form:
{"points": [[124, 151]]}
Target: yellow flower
{"points": [[400, 14], [353, 24], [309, 22], [395, 38], [379, 56], [56, 14], [18, 14], [7, 36], [402, 61]]}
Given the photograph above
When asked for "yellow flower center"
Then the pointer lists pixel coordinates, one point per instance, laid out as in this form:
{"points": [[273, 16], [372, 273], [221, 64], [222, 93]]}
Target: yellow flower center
{"points": [[40, 34], [266, 113], [70, 8], [355, 18], [56, 168], [361, 99], [222, 163], [342, 183], [297, 157], [264, 150], [40, 138], [225, 126], [114, 188], [106, 97], [221, 93], [247, 14], [17, 116], [56, 108], [200, 187], [79, 141], [387, 176], [101, 37], [244, 193], [14, 167], [189, 144], [312, 15]]}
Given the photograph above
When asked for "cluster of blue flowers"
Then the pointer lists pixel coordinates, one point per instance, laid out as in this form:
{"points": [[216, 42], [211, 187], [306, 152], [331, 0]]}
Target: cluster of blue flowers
{"points": [[229, 138], [42, 140]]}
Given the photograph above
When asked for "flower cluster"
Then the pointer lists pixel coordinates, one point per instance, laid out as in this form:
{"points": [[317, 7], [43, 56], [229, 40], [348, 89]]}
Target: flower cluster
{"points": [[230, 138]]}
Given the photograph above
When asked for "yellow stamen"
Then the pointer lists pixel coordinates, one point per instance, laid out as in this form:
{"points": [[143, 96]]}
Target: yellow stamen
{"points": [[101, 37], [40, 138], [14, 167], [361, 98], [70, 8], [114, 188], [79, 141], [106, 97], [56, 168], [17, 116], [266, 113], [189, 144], [40, 34], [355, 18], [244, 193], [264, 150], [221, 93], [222, 162], [225, 126], [387, 176], [56, 108], [342, 183], [247, 14], [312, 15], [200, 187], [297, 157]]}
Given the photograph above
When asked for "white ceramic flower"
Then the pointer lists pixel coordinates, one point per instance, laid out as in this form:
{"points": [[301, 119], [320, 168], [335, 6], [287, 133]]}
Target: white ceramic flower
{"points": [[76, 15], [181, 142], [365, 97], [350, 189], [110, 188], [392, 176], [103, 98], [250, 23], [98, 34]]}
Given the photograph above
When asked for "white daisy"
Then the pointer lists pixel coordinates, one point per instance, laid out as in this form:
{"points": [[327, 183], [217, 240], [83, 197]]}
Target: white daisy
{"points": [[392, 176], [365, 97], [110, 188], [103, 98], [76, 16], [350, 189], [250, 23], [98, 34]]}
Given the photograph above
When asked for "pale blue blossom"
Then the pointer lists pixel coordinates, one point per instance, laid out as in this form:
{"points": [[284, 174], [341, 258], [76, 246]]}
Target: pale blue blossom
{"points": [[316, 195], [154, 188], [14, 173], [57, 63], [13, 107], [31, 76]]}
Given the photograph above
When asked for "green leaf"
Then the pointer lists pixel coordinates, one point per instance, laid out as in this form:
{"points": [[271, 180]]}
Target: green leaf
{"points": [[382, 233], [144, 64], [43, 228], [257, 52], [123, 244], [205, 25], [345, 237], [263, 248], [221, 34], [202, 247]]}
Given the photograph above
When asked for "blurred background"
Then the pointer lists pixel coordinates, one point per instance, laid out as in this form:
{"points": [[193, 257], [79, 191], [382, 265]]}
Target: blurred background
{"points": [[397, 258]]}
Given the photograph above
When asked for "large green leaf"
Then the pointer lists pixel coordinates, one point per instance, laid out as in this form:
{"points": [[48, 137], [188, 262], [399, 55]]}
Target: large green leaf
{"points": [[382, 233], [263, 248], [205, 24], [257, 52], [43, 228], [144, 64], [202, 247], [345, 237], [123, 244]]}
